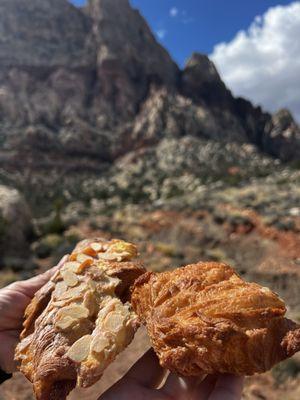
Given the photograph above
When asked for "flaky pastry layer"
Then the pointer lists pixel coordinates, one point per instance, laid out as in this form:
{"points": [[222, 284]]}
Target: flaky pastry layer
{"points": [[205, 319]]}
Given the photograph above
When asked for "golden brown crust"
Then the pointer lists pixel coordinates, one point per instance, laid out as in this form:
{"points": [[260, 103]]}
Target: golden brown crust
{"points": [[203, 318], [80, 320]]}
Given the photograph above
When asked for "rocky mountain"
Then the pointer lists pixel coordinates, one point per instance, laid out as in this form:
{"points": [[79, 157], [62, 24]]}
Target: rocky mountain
{"points": [[82, 86]]}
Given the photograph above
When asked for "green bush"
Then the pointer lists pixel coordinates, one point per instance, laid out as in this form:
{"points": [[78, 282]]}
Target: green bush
{"points": [[47, 245], [56, 225], [3, 226], [285, 370]]}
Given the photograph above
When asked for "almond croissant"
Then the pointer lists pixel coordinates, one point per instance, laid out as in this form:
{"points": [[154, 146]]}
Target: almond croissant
{"points": [[204, 319], [77, 323]]}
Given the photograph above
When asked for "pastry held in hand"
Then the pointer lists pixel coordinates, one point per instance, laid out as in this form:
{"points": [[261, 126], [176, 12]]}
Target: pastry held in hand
{"points": [[203, 318], [81, 320]]}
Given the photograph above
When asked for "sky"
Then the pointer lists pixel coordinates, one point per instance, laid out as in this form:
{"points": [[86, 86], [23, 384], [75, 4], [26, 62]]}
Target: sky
{"points": [[254, 43]]}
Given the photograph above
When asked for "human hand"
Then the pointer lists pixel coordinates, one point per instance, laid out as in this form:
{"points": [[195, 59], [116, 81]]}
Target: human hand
{"points": [[13, 301], [146, 375]]}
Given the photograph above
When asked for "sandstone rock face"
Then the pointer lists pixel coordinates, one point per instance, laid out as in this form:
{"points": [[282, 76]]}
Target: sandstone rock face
{"points": [[282, 137], [128, 57], [93, 82], [15, 224], [202, 82], [42, 33], [168, 114]]}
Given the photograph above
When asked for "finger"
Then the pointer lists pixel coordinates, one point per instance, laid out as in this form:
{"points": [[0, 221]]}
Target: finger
{"points": [[30, 286], [131, 391], [205, 388], [11, 339], [146, 371], [146, 374], [182, 388], [228, 387]]}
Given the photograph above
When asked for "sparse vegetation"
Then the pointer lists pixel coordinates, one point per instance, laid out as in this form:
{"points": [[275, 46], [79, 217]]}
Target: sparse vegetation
{"points": [[288, 369]]}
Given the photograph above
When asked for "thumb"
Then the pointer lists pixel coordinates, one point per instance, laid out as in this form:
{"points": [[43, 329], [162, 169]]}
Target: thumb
{"points": [[30, 286], [183, 388], [228, 387]]}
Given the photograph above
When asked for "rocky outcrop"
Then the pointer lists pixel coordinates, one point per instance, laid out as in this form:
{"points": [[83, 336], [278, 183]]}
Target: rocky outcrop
{"points": [[42, 34], [71, 78], [129, 59], [282, 136], [168, 114], [15, 225], [202, 82]]}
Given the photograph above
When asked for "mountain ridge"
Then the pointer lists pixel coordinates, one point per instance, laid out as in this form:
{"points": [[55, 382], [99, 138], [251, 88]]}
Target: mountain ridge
{"points": [[94, 82]]}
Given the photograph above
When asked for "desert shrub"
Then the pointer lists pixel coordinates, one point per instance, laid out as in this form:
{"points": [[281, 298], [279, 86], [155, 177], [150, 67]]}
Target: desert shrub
{"points": [[285, 370], [295, 164], [232, 180], [3, 226], [7, 276], [166, 249], [47, 245], [55, 225]]}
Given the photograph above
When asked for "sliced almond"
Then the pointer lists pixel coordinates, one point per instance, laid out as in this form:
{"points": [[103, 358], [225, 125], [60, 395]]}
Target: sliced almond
{"points": [[80, 350], [89, 251], [80, 257], [85, 264], [90, 302], [97, 247], [60, 288], [115, 256], [121, 308], [76, 312], [111, 285], [106, 306], [72, 266], [99, 343], [65, 323], [73, 257], [108, 284], [69, 277], [108, 256], [74, 292], [114, 322], [83, 257], [124, 249], [59, 303]]}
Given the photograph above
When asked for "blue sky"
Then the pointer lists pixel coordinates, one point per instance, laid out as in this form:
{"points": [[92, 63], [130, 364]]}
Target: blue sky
{"points": [[198, 25]]}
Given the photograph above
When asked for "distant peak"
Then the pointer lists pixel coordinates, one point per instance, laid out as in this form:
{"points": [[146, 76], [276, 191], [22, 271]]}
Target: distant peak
{"points": [[197, 58], [203, 66], [108, 5], [284, 113]]}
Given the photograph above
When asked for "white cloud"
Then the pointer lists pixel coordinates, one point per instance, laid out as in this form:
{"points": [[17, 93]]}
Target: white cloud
{"points": [[263, 63], [173, 12], [161, 33]]}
